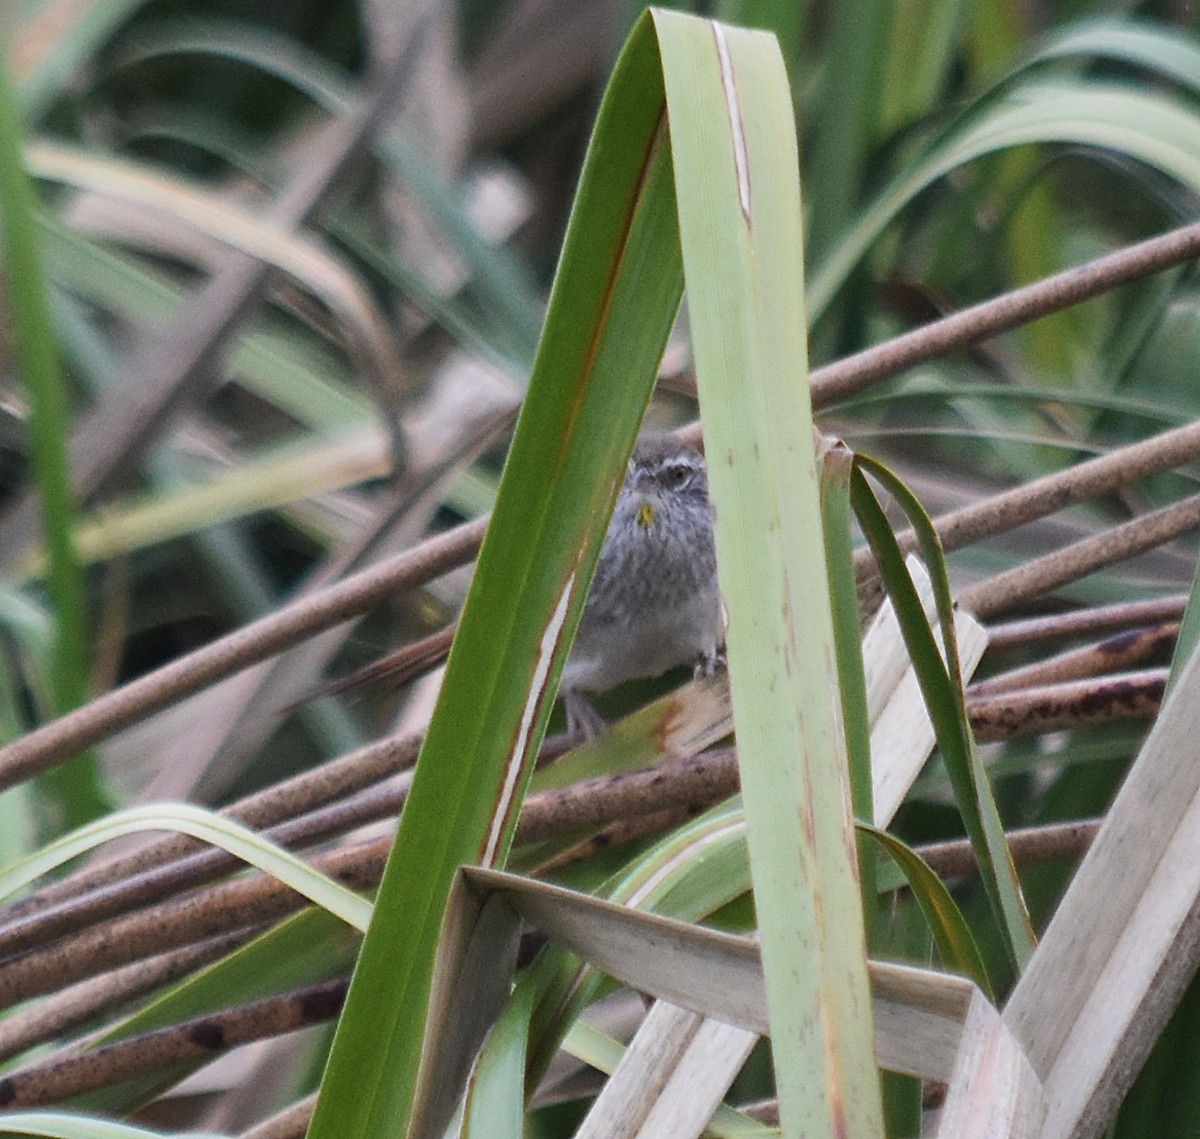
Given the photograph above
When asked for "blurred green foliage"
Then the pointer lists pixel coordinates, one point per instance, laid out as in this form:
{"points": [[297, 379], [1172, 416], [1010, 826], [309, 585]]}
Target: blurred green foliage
{"points": [[950, 151]]}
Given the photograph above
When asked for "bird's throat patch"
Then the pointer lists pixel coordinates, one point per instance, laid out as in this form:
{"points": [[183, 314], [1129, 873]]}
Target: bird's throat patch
{"points": [[645, 515]]}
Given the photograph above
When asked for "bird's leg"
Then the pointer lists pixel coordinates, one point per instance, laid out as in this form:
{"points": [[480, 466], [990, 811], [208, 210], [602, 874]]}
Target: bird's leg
{"points": [[583, 721]]}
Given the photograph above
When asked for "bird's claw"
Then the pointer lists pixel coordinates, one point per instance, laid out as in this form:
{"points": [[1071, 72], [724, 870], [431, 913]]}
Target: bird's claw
{"points": [[709, 664]]}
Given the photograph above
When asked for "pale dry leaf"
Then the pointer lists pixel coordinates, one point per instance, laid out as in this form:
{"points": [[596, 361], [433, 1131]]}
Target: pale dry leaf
{"points": [[1123, 943]]}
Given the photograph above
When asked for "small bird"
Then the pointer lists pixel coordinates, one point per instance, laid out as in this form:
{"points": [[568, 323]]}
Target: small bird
{"points": [[655, 602]]}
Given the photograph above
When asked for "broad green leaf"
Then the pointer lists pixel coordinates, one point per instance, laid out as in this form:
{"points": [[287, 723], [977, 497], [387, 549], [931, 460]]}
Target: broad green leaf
{"points": [[734, 145], [615, 295]]}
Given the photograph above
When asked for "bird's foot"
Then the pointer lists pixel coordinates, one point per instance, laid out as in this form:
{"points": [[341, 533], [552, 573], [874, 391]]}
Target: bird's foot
{"points": [[583, 721], [709, 664]]}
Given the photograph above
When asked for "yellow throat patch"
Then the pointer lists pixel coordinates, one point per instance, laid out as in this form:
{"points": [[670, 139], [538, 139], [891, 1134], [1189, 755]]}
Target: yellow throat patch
{"points": [[645, 515]]}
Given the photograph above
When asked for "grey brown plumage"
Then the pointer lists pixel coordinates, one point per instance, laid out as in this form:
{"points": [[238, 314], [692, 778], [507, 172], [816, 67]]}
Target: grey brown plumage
{"points": [[654, 602]]}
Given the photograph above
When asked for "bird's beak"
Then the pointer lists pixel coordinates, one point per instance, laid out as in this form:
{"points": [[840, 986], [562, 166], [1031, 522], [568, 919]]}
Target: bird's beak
{"points": [[641, 476]]}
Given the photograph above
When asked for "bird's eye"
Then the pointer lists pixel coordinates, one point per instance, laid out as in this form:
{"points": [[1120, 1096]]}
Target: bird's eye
{"points": [[676, 474]]}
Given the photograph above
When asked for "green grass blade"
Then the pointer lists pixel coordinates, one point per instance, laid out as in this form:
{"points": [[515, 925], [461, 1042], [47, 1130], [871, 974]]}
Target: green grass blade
{"points": [[74, 788], [941, 685], [502, 284], [185, 818], [305, 949], [1189, 632], [615, 296], [1153, 128], [734, 145], [925, 45], [837, 468], [495, 1104], [850, 105], [269, 363], [1158, 49], [67, 1125], [950, 930], [689, 874], [66, 50]]}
